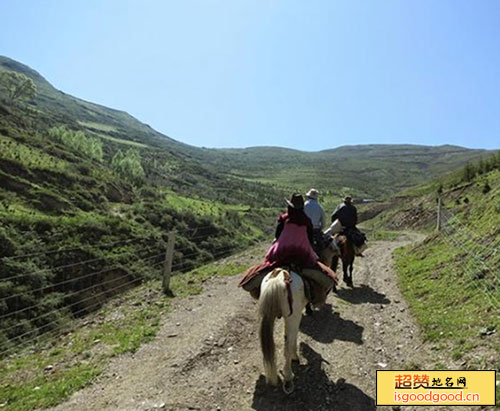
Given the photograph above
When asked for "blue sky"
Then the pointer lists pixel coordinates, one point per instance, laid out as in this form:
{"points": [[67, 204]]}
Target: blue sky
{"points": [[309, 75]]}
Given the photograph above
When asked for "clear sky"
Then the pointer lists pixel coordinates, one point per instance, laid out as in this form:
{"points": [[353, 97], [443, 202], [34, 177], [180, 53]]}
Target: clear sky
{"points": [[310, 75]]}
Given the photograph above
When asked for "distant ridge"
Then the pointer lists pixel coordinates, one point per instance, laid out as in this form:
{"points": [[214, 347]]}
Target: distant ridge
{"points": [[373, 170]]}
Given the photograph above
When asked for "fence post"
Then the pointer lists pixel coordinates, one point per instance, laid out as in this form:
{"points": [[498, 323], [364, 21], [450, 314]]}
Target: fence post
{"points": [[438, 224], [167, 265]]}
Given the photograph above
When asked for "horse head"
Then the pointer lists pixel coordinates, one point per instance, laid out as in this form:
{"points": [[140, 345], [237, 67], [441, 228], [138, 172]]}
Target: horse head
{"points": [[335, 227]]}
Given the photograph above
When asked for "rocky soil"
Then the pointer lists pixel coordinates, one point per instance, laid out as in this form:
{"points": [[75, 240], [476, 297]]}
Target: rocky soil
{"points": [[207, 357]]}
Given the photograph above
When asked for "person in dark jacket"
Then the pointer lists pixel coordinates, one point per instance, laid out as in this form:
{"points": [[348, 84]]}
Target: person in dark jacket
{"points": [[346, 213]]}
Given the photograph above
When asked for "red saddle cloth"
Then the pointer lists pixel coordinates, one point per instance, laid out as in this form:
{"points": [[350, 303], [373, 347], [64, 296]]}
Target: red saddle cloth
{"points": [[253, 277]]}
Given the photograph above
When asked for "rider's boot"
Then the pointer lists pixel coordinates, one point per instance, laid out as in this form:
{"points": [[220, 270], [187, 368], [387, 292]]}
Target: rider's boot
{"points": [[309, 310]]}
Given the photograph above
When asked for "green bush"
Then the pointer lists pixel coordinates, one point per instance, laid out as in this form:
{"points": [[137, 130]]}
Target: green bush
{"points": [[78, 141]]}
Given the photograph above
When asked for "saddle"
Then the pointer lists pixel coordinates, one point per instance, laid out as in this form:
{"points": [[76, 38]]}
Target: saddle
{"points": [[357, 237], [318, 280]]}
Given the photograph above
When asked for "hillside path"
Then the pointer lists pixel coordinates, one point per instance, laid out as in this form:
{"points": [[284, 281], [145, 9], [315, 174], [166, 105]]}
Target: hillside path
{"points": [[206, 355]]}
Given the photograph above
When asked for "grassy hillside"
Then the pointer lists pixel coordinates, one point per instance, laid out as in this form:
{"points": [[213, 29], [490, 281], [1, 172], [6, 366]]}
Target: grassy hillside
{"points": [[85, 217], [369, 171], [452, 279], [88, 195], [372, 171]]}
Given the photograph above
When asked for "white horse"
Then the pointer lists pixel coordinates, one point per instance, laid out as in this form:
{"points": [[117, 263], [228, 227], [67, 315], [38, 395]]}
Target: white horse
{"points": [[281, 295]]}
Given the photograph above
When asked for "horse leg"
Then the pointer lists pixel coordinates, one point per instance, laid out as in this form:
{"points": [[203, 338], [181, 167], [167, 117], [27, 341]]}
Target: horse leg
{"points": [[347, 278], [351, 266], [345, 267], [291, 330]]}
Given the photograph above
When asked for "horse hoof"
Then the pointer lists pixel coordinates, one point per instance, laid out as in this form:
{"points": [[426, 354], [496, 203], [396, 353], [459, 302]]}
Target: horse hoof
{"points": [[288, 387]]}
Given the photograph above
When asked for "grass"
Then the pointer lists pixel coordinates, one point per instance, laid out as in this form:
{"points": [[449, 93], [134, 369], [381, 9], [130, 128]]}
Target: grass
{"points": [[451, 280], [48, 376], [446, 306], [121, 141], [192, 283], [29, 157], [97, 126], [379, 234], [200, 207]]}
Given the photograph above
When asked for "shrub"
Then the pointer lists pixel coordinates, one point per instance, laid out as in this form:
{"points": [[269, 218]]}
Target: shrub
{"points": [[77, 140]]}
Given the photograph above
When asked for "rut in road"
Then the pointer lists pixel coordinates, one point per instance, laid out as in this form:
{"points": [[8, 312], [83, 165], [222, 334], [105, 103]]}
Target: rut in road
{"points": [[207, 355]]}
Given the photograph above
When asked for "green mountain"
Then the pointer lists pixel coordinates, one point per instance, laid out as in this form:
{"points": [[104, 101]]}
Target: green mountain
{"points": [[88, 195], [369, 171]]}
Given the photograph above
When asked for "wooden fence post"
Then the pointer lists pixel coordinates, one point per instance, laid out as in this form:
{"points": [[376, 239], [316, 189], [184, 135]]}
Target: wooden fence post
{"points": [[167, 265], [438, 224]]}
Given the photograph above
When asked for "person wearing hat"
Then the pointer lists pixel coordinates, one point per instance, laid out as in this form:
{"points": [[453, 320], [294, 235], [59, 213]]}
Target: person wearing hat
{"points": [[346, 213], [292, 246], [316, 214], [293, 237]]}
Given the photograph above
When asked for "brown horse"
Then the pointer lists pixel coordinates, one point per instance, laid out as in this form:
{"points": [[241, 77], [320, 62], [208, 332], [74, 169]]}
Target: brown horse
{"points": [[347, 255]]}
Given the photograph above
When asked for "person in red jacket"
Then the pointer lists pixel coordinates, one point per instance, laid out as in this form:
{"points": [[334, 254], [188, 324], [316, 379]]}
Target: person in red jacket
{"points": [[292, 246], [293, 237]]}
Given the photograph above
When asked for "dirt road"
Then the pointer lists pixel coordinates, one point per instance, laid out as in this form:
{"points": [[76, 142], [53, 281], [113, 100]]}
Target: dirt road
{"points": [[207, 357]]}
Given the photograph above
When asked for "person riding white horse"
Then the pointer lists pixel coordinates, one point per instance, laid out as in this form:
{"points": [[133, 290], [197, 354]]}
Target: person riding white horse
{"points": [[281, 290]]}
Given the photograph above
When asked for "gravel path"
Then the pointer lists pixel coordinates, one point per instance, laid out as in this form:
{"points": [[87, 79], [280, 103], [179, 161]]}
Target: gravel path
{"points": [[207, 357]]}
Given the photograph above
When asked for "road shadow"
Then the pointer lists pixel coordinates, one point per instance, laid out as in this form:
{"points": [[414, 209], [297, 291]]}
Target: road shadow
{"points": [[325, 326], [362, 295], [313, 390]]}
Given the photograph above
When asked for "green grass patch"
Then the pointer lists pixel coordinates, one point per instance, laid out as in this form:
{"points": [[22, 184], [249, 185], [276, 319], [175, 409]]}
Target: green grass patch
{"points": [[379, 234], [446, 306], [30, 157], [46, 389], [453, 303], [121, 141], [70, 362], [97, 126], [200, 207], [191, 283]]}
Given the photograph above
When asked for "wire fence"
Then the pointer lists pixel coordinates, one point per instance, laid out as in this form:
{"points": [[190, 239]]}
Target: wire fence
{"points": [[475, 246], [25, 316]]}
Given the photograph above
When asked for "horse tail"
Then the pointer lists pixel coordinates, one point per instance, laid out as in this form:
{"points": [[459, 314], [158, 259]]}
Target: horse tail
{"points": [[272, 304]]}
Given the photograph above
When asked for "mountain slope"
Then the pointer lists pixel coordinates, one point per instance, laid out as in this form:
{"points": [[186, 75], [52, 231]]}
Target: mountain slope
{"points": [[373, 171], [88, 195]]}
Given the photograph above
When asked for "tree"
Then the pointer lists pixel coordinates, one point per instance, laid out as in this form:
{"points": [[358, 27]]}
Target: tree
{"points": [[77, 140], [468, 172], [17, 86], [129, 165]]}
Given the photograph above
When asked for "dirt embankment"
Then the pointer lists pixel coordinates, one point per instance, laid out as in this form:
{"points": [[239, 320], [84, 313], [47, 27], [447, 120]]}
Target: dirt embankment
{"points": [[207, 356]]}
